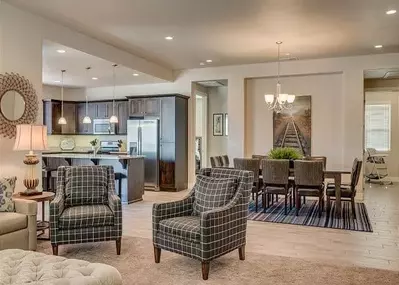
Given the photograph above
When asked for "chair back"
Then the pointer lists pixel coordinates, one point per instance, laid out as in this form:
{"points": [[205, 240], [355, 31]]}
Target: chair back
{"points": [[308, 172], [213, 161], [219, 161], [275, 171], [249, 164], [318, 158], [225, 160], [355, 174], [258, 156]]}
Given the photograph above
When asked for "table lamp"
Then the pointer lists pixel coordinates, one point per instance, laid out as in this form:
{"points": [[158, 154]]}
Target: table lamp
{"points": [[31, 137]]}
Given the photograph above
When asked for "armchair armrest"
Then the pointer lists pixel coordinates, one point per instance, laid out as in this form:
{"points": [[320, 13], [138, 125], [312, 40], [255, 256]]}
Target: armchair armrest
{"points": [[56, 209], [26, 207], [115, 204], [174, 209]]}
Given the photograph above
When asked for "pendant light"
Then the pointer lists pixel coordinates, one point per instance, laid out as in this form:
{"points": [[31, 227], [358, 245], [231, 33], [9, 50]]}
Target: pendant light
{"points": [[86, 119], [279, 101], [62, 120], [113, 119]]}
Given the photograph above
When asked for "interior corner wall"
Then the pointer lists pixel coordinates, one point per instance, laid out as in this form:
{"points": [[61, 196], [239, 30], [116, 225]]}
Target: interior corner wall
{"points": [[327, 120], [217, 104], [20, 52]]}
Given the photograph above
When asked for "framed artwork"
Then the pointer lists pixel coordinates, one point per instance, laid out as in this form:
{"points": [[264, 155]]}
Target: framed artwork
{"points": [[226, 124], [293, 128], [218, 124]]}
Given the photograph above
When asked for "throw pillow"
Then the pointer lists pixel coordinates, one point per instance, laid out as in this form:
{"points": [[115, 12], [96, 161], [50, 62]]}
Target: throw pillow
{"points": [[7, 186], [211, 193], [86, 185]]}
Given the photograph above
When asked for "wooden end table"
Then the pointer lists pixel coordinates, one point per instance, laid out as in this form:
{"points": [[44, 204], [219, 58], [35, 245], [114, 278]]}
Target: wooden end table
{"points": [[42, 225]]}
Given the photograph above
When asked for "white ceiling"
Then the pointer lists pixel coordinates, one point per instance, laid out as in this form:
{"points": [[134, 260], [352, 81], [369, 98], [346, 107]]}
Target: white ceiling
{"points": [[229, 31], [75, 63]]}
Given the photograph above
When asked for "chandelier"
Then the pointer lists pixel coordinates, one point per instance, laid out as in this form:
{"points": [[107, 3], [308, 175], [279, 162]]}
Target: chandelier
{"points": [[279, 101]]}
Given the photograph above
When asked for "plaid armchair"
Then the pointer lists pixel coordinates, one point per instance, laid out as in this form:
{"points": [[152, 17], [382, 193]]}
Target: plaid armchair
{"points": [[210, 234], [85, 208]]}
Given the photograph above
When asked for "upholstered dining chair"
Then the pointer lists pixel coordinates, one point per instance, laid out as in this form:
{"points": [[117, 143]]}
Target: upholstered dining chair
{"points": [[210, 222], [219, 161], [253, 165], [318, 158], [348, 191], [276, 180], [309, 177], [213, 161], [85, 207], [225, 160]]}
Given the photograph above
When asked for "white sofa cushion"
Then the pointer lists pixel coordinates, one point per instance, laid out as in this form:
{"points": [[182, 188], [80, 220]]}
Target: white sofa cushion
{"points": [[19, 267], [12, 222]]}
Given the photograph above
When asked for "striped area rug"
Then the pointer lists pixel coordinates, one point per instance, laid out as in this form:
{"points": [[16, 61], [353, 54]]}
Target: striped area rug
{"points": [[309, 216]]}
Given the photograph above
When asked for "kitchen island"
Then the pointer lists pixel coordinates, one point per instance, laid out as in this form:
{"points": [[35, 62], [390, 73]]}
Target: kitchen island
{"points": [[130, 167]]}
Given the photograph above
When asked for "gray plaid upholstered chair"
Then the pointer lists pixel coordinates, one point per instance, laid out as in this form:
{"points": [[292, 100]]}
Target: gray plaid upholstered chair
{"points": [[85, 207], [276, 180], [348, 191], [212, 233], [253, 165], [309, 178]]}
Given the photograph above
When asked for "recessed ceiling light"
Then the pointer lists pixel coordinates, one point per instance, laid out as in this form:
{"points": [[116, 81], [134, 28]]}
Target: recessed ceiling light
{"points": [[57, 81], [135, 74], [378, 46], [169, 38], [390, 12], [209, 60], [201, 63], [94, 78], [60, 51]]}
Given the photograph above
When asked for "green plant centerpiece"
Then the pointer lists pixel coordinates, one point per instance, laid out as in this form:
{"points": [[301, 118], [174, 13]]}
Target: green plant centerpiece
{"points": [[284, 153]]}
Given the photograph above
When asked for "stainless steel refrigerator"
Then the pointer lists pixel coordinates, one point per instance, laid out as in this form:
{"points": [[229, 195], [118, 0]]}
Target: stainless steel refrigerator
{"points": [[143, 139]]}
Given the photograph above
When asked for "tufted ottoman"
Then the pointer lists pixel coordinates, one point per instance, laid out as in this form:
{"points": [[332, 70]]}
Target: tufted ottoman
{"points": [[27, 267]]}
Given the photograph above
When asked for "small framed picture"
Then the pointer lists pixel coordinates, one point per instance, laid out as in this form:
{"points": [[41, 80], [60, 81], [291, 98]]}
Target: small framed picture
{"points": [[226, 124], [218, 124]]}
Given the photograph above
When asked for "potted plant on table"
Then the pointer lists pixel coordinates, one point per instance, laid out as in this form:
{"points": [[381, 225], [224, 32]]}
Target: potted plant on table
{"points": [[285, 153], [93, 144], [120, 144]]}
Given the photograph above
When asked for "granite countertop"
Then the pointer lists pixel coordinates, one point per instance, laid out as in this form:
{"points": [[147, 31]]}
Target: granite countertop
{"points": [[90, 156]]}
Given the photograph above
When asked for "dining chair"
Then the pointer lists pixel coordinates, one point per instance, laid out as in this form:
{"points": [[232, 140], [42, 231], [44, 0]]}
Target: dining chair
{"points": [[309, 177], [219, 161], [225, 160], [251, 165], [318, 158], [276, 180], [348, 191], [213, 161]]}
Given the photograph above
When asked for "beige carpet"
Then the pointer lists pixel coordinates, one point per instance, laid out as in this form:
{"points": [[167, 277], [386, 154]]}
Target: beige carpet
{"points": [[136, 264]]}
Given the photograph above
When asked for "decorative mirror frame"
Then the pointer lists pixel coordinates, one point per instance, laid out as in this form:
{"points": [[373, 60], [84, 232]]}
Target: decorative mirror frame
{"points": [[18, 83]]}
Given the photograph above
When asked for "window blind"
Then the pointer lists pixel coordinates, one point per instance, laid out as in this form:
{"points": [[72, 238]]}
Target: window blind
{"points": [[378, 126]]}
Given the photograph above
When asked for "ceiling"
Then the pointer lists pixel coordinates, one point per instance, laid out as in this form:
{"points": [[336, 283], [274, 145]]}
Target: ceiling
{"points": [[387, 73], [229, 31], [75, 63]]}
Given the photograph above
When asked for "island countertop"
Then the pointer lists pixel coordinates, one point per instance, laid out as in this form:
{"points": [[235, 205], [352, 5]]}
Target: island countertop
{"points": [[90, 156]]}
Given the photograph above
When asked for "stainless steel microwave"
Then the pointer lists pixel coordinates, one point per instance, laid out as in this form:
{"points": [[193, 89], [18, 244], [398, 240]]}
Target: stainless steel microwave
{"points": [[103, 127]]}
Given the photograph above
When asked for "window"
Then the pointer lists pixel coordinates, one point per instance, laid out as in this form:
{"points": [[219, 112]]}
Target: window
{"points": [[378, 126]]}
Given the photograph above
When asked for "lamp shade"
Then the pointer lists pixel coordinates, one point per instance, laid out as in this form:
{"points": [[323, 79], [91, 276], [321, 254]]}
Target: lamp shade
{"points": [[31, 137]]}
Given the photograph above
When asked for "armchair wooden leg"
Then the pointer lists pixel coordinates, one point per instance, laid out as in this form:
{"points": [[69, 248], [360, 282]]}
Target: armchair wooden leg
{"points": [[157, 254], [55, 249], [205, 270], [241, 252], [118, 246]]}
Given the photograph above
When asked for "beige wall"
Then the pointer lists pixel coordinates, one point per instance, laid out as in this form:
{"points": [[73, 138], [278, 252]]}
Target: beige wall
{"points": [[327, 125], [392, 98], [82, 142], [217, 103], [54, 92]]}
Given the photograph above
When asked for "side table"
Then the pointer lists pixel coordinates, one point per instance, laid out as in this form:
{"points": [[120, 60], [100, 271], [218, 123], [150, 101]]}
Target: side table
{"points": [[43, 197]]}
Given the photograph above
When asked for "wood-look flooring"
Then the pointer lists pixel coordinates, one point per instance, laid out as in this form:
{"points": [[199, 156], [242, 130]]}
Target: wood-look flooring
{"points": [[379, 249]]}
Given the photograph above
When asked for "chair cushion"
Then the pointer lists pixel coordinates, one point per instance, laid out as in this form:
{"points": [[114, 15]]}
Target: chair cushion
{"points": [[310, 191], [12, 222], [275, 189], [7, 186], [87, 216], [345, 192], [86, 185], [343, 185], [211, 193], [187, 228]]}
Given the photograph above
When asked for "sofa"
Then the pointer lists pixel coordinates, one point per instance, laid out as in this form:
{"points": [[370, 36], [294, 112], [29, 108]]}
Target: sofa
{"points": [[17, 219]]}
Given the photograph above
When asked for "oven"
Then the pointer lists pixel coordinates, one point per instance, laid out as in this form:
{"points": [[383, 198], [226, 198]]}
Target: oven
{"points": [[103, 127]]}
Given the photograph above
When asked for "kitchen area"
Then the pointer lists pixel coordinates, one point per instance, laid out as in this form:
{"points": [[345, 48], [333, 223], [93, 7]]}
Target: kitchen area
{"points": [[147, 146]]}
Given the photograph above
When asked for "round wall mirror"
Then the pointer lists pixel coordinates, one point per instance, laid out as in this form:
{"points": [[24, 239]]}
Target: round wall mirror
{"points": [[12, 105]]}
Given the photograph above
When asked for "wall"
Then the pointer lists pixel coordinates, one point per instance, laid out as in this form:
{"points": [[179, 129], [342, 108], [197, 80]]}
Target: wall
{"points": [[54, 92], [82, 142], [217, 103], [326, 103], [392, 98]]}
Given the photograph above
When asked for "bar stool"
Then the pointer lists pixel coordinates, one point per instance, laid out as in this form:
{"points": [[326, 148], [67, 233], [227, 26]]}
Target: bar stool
{"points": [[119, 176]]}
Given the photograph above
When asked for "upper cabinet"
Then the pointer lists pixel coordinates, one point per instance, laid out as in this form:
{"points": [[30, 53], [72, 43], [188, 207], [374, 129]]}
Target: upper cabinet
{"points": [[167, 119], [101, 110], [81, 113], [141, 107], [70, 116], [52, 111], [121, 110]]}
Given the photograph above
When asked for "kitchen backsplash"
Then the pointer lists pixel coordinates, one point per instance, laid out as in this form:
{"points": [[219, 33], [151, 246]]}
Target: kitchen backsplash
{"points": [[82, 142]]}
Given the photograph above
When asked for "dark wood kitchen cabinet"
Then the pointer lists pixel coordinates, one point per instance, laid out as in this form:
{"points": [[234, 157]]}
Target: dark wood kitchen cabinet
{"points": [[141, 107], [70, 116], [83, 129], [51, 114], [121, 110], [136, 107], [102, 110]]}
